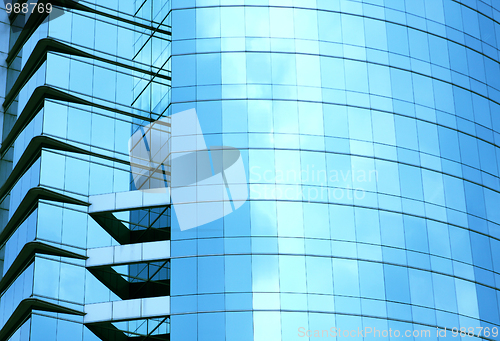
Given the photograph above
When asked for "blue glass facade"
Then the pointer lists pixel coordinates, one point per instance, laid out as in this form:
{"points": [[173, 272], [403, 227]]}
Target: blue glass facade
{"points": [[369, 133], [80, 81]]}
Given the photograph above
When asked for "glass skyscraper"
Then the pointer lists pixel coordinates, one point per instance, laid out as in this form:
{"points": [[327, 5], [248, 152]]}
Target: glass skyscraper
{"points": [[80, 81], [368, 134]]}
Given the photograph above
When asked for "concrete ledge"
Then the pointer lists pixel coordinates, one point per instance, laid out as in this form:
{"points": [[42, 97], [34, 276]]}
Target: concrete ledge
{"points": [[126, 254], [126, 310], [121, 201]]}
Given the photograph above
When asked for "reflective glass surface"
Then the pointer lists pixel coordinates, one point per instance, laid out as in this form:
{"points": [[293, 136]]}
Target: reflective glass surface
{"points": [[372, 166], [368, 134]]}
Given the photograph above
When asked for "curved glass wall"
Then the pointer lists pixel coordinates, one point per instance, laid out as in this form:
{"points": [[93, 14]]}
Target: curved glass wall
{"points": [[369, 131]]}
